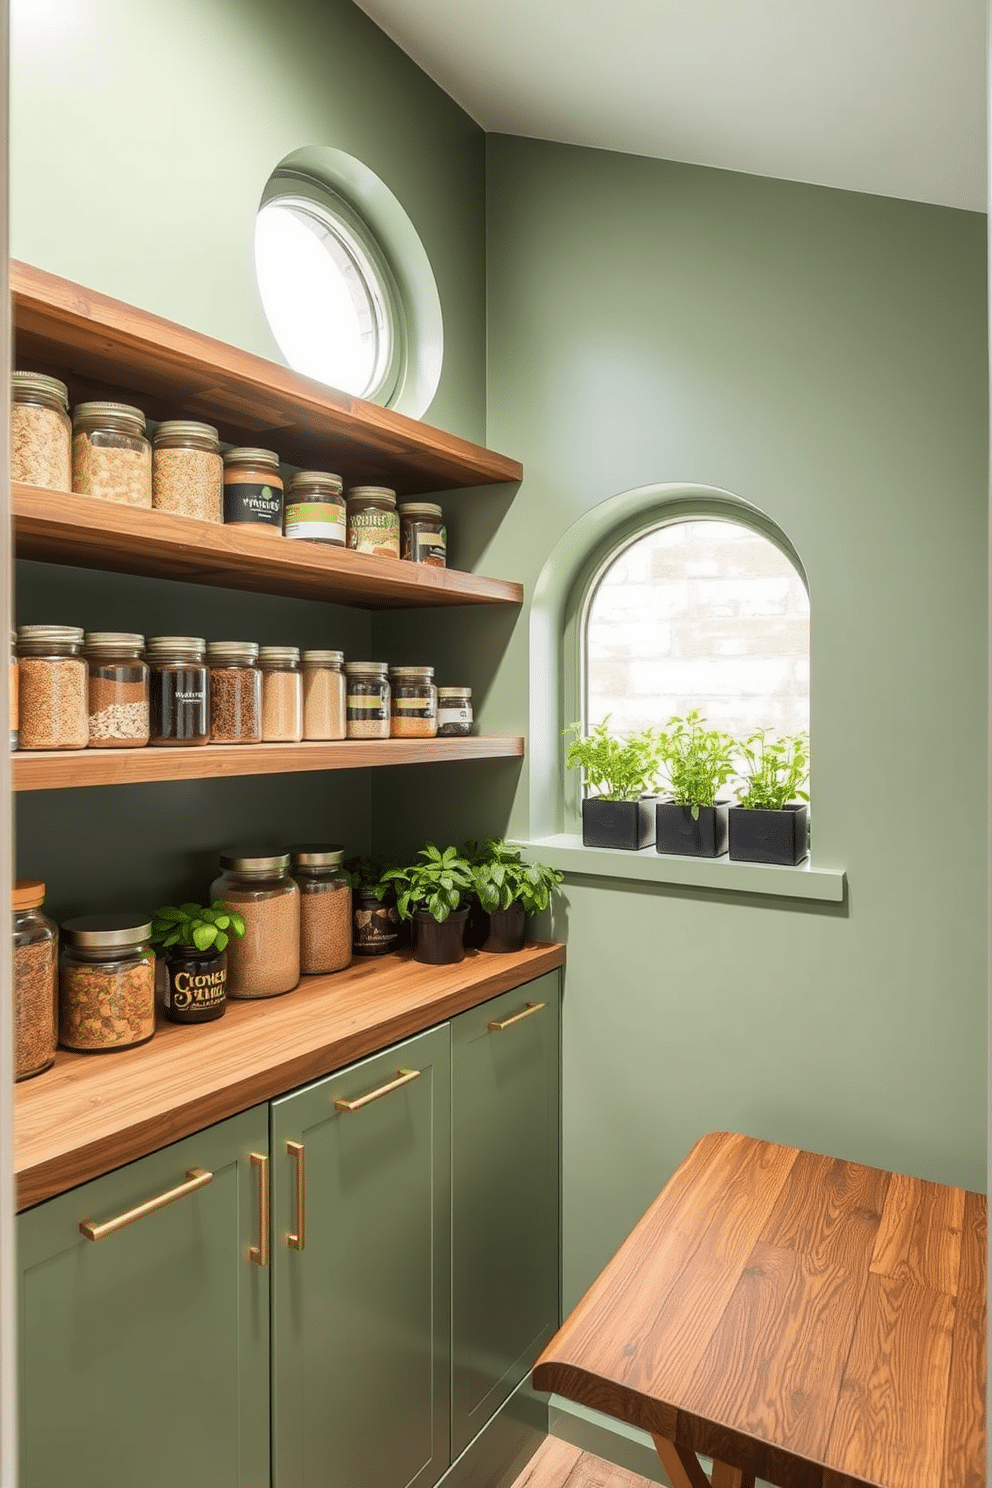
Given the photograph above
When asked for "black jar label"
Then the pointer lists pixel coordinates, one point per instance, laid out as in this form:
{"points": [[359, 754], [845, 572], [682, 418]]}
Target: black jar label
{"points": [[247, 501]]}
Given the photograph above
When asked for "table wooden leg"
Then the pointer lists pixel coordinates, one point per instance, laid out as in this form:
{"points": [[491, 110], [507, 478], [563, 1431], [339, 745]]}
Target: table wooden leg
{"points": [[731, 1477], [682, 1466]]}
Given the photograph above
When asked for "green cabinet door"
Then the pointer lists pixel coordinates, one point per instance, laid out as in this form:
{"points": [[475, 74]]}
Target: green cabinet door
{"points": [[361, 1248], [505, 1196], [144, 1353]]}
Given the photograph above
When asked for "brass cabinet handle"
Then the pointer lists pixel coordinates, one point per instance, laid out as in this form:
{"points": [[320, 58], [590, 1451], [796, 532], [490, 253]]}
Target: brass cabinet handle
{"points": [[298, 1241], [532, 1007], [403, 1077], [260, 1253], [195, 1178]]}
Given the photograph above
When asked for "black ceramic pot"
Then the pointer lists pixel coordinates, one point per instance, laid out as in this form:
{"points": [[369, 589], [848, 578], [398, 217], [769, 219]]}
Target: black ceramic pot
{"points": [[769, 836], [626, 824], [506, 929], [439, 943], [704, 836], [194, 984]]}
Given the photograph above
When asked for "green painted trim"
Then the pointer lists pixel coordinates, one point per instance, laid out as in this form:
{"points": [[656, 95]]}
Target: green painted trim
{"points": [[496, 1457]]}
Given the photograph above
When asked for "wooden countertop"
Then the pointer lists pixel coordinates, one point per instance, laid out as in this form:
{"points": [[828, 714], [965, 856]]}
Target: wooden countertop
{"points": [[93, 1112]]}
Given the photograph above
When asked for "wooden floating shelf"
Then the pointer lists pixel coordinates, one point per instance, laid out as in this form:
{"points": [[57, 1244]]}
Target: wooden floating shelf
{"points": [[87, 532], [69, 769]]}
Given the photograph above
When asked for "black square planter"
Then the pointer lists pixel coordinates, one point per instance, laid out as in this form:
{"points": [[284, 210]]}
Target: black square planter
{"points": [[704, 837], [769, 836], [626, 824]]}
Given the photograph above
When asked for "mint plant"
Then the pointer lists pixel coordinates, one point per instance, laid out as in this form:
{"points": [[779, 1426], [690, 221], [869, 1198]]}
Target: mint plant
{"points": [[618, 769], [205, 927], [697, 760], [442, 883], [776, 769], [501, 878]]}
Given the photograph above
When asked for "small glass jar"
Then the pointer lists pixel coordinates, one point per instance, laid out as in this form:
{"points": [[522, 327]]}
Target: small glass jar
{"points": [[187, 470], [36, 980], [265, 962], [53, 709], [235, 692], [325, 908], [315, 508], [194, 984], [367, 699], [13, 690], [111, 454], [106, 983], [253, 489], [117, 689], [454, 712], [179, 686], [373, 521], [323, 695], [282, 694], [413, 707], [423, 537], [40, 431]]}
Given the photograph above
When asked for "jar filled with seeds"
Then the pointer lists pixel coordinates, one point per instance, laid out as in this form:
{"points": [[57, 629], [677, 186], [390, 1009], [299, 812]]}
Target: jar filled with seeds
{"points": [[423, 538], [179, 686], [315, 508], [282, 694], [265, 962], [40, 431], [53, 708], [13, 690], [454, 712], [187, 470], [373, 521], [106, 983], [325, 908], [253, 490], [235, 692], [414, 702], [118, 689], [367, 699], [36, 980], [111, 455], [323, 695]]}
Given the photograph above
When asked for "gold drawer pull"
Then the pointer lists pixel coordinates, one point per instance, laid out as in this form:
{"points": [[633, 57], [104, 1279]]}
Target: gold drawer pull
{"points": [[196, 1178], [260, 1253], [298, 1241], [403, 1077], [528, 1012]]}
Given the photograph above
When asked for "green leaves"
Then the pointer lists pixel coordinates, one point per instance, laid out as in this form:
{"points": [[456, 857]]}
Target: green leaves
{"points": [[193, 925], [501, 878], [617, 769], [440, 884], [697, 760], [776, 769]]}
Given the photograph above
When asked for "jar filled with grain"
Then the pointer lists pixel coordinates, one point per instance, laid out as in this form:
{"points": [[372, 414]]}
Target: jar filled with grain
{"points": [[187, 470], [118, 689], [454, 712], [54, 706], [253, 491], [111, 454], [13, 690], [179, 686], [315, 508], [325, 908], [265, 962], [373, 521], [323, 695], [282, 694], [367, 699], [36, 980], [106, 983], [40, 431], [413, 703], [423, 537], [235, 692]]}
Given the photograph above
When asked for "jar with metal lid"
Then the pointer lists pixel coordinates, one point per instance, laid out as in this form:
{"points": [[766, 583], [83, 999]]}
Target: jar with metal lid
{"points": [[187, 470], [373, 521], [265, 962], [36, 980], [323, 695], [40, 431], [367, 699], [315, 508], [235, 692], [179, 685], [106, 983], [53, 708], [117, 689], [414, 702], [454, 712], [13, 690], [325, 908], [423, 537], [253, 490], [111, 454], [282, 694]]}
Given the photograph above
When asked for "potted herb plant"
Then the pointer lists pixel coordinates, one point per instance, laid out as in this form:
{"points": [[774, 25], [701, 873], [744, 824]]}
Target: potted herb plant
{"points": [[622, 771], [434, 895], [508, 890], [770, 821], [374, 921], [194, 938], [698, 761]]}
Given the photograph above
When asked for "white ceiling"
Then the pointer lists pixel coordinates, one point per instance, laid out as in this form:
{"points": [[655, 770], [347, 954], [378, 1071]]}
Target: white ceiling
{"points": [[884, 96]]}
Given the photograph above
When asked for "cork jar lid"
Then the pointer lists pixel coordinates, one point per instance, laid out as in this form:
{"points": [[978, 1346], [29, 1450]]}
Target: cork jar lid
{"points": [[27, 893]]}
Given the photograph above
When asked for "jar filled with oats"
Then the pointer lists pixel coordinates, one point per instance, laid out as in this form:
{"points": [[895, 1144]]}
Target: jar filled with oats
{"points": [[54, 705], [265, 961], [36, 980], [187, 470], [315, 508], [282, 694], [111, 455], [414, 702], [367, 690], [106, 983], [118, 689], [373, 521], [40, 431], [325, 908], [323, 695]]}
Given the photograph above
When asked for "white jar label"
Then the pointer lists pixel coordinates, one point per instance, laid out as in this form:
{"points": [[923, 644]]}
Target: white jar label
{"points": [[315, 519], [459, 713]]}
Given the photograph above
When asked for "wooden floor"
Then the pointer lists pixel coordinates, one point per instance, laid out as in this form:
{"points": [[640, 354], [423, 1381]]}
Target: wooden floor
{"points": [[557, 1463]]}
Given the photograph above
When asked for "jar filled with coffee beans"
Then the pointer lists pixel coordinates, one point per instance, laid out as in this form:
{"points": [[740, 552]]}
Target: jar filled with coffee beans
{"points": [[40, 431], [235, 692], [111, 454], [54, 706], [106, 983], [117, 689], [325, 908], [367, 700], [36, 980], [187, 470], [180, 698]]}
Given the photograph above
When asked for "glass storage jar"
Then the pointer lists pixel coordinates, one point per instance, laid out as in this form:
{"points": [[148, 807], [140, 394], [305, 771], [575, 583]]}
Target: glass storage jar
{"points": [[106, 983], [180, 699], [367, 699], [414, 702], [53, 708], [253, 488], [187, 470], [454, 712], [13, 690], [282, 694], [315, 508], [323, 695], [40, 431], [235, 692], [373, 521], [117, 689], [325, 908], [194, 984], [423, 537], [36, 980], [265, 962], [111, 455]]}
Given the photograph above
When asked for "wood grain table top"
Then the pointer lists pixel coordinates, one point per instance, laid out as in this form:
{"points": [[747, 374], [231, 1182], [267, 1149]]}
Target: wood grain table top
{"points": [[818, 1323]]}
